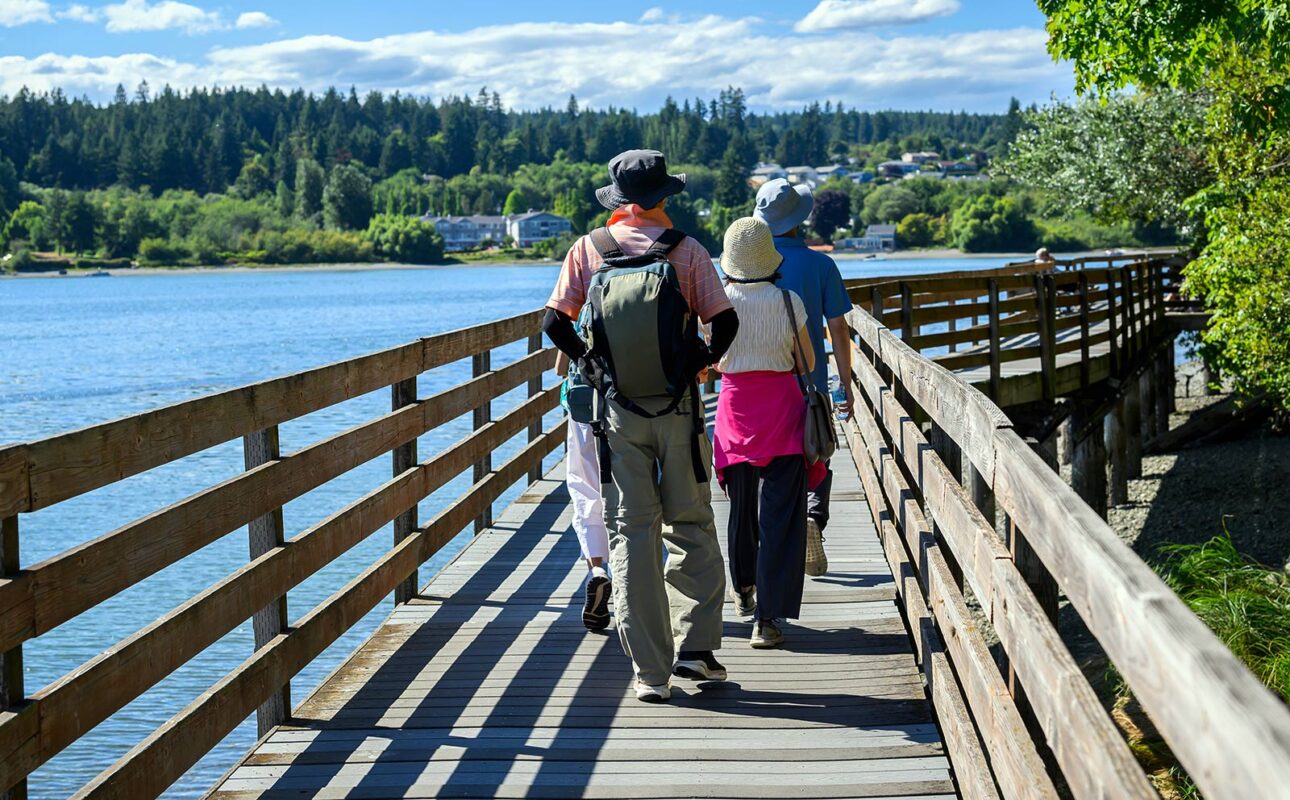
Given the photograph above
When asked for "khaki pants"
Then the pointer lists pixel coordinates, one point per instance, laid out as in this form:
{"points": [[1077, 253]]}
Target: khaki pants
{"points": [[661, 611]]}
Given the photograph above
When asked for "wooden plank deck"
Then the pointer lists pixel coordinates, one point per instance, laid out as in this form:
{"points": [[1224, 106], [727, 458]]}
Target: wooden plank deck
{"points": [[487, 685]]}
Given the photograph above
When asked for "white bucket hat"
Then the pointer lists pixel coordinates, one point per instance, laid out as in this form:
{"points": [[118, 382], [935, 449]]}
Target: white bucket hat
{"points": [[750, 253]]}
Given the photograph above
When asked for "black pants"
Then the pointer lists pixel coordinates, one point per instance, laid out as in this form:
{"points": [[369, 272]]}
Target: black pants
{"points": [[767, 533], [817, 501]]}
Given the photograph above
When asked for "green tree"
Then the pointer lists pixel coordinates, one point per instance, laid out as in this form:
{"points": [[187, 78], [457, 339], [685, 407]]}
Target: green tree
{"points": [[574, 207], [253, 180], [832, 211], [79, 222], [916, 230], [347, 199], [405, 239], [732, 180], [1237, 55], [310, 182], [1136, 157], [28, 223], [285, 199], [889, 204], [992, 224], [517, 202]]}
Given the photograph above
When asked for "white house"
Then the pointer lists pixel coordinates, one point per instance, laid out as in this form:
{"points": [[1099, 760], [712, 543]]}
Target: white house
{"points": [[832, 171], [921, 157], [803, 175], [469, 232], [536, 226]]}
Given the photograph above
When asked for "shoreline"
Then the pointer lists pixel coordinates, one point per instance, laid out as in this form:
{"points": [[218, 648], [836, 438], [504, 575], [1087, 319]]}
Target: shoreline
{"points": [[234, 269]]}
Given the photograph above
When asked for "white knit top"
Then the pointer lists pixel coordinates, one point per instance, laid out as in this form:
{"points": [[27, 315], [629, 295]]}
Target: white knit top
{"points": [[765, 338]]}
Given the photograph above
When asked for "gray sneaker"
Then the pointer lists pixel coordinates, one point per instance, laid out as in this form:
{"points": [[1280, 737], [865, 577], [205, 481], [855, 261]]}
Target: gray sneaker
{"points": [[817, 563], [745, 601], [766, 635]]}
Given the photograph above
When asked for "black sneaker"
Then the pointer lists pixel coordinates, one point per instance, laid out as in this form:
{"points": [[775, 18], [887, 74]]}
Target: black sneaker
{"points": [[698, 665], [595, 611]]}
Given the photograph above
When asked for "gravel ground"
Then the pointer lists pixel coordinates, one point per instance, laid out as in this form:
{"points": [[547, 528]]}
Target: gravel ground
{"points": [[1190, 496]]}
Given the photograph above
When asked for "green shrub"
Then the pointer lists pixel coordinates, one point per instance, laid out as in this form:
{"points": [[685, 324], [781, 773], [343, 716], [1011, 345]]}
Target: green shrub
{"points": [[992, 224], [297, 246], [405, 239], [916, 230], [162, 252]]}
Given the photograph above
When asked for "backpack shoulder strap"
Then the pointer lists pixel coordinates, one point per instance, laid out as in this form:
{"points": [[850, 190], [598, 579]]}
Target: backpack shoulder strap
{"points": [[606, 244], [665, 243]]}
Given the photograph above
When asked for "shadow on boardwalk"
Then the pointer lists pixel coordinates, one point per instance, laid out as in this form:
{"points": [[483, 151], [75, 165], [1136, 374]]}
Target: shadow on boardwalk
{"points": [[487, 685]]}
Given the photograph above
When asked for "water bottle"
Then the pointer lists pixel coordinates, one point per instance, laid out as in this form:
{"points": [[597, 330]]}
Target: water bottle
{"points": [[839, 395]]}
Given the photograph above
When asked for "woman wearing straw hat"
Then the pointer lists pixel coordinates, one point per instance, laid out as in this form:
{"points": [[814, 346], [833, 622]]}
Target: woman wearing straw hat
{"points": [[758, 441]]}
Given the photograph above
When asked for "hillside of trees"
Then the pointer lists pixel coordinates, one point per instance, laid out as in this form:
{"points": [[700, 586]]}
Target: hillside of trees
{"points": [[271, 176]]}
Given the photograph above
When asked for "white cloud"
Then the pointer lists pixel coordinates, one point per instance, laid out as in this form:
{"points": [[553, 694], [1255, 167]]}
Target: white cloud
{"points": [[134, 16], [21, 12], [654, 14], [536, 64], [254, 19], [839, 14], [80, 13]]}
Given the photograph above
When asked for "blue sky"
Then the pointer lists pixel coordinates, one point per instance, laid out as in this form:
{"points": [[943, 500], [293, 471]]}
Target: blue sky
{"points": [[908, 54]]}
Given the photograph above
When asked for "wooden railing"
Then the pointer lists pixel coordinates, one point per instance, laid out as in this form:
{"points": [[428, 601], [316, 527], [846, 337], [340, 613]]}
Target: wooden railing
{"points": [[938, 460], [986, 319], [40, 597]]}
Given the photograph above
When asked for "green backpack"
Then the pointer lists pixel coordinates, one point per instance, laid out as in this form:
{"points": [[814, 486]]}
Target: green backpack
{"points": [[639, 331]]}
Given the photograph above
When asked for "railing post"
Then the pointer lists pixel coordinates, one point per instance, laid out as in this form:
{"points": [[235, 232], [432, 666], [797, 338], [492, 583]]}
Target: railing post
{"points": [[1130, 336], [996, 346], [404, 393], [1088, 462], [266, 534], [954, 325], [481, 364], [907, 332], [12, 691], [951, 455], [1046, 311], [535, 388], [1117, 448], [1084, 331], [1112, 324]]}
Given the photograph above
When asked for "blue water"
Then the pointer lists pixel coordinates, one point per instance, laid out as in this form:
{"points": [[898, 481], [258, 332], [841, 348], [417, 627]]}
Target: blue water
{"points": [[76, 352]]}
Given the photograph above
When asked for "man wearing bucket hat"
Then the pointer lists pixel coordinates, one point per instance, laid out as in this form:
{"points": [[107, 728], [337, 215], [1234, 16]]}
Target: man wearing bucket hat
{"points": [[631, 275], [814, 277]]}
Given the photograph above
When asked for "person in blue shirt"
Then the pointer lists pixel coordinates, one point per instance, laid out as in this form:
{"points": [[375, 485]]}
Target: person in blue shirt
{"points": [[814, 277]]}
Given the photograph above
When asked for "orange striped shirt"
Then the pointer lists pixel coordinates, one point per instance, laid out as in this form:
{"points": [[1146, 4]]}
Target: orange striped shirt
{"points": [[635, 229]]}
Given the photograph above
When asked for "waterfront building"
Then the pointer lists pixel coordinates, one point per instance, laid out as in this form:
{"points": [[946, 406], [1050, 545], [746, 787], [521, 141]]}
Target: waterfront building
{"points": [[473, 231], [532, 227]]}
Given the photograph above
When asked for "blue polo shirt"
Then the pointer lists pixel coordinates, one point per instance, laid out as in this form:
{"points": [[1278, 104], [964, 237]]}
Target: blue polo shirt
{"points": [[815, 278]]}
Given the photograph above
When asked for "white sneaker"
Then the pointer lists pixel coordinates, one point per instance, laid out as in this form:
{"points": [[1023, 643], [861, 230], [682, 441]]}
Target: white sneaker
{"points": [[817, 563], [766, 635], [653, 694]]}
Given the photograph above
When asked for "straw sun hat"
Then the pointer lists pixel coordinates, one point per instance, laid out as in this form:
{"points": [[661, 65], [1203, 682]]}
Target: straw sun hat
{"points": [[750, 253]]}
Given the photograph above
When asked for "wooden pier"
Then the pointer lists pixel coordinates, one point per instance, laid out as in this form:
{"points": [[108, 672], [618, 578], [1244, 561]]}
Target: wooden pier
{"points": [[928, 662]]}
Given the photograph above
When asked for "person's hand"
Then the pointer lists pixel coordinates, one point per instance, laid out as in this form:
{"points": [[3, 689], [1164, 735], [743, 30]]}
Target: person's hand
{"points": [[704, 374], [697, 360], [847, 405]]}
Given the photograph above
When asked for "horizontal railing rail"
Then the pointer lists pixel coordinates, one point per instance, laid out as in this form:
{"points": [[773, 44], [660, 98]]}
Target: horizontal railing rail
{"points": [[983, 320], [39, 598], [938, 460]]}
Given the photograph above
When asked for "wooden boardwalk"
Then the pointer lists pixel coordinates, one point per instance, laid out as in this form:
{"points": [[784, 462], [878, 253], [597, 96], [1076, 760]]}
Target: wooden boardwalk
{"points": [[487, 685]]}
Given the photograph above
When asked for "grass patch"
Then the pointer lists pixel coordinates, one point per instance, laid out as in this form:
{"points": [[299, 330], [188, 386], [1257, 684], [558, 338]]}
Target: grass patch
{"points": [[1245, 603]]}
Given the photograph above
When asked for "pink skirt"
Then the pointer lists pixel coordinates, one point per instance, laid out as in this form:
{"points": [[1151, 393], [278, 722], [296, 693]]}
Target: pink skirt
{"points": [[760, 417]]}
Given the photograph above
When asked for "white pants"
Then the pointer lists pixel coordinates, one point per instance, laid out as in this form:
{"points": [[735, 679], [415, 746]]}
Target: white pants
{"points": [[583, 477]]}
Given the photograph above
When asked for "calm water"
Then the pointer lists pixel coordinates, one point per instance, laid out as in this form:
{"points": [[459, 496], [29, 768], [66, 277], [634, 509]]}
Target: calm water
{"points": [[76, 351]]}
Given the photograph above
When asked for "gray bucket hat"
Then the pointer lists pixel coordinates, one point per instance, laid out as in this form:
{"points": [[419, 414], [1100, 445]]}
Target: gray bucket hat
{"points": [[639, 176], [783, 206]]}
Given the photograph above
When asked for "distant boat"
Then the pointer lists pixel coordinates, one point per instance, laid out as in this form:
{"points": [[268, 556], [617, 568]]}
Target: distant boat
{"points": [[100, 274]]}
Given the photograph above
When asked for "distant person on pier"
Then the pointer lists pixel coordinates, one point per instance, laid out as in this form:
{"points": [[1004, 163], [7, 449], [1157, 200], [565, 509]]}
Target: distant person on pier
{"points": [[582, 476], [813, 277], [760, 458], [1042, 256], [647, 286]]}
